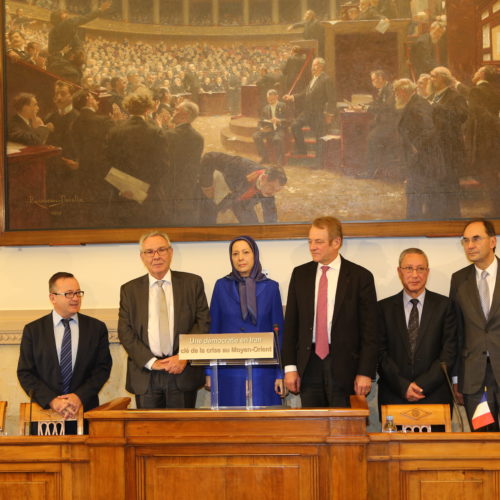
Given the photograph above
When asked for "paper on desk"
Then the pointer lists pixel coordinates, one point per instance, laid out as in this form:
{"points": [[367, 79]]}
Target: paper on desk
{"points": [[128, 183], [14, 147], [383, 25]]}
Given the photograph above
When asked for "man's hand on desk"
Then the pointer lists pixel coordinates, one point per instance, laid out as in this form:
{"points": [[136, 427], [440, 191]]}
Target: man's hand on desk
{"points": [[292, 382]]}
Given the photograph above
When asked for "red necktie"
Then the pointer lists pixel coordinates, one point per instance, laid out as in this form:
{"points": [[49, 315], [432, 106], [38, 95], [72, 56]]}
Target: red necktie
{"points": [[322, 346]]}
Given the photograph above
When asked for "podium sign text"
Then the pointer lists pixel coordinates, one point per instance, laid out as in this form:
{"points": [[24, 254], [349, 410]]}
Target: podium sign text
{"points": [[226, 346]]}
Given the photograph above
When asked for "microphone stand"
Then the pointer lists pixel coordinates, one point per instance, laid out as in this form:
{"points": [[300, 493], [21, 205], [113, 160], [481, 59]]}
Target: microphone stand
{"points": [[455, 402]]}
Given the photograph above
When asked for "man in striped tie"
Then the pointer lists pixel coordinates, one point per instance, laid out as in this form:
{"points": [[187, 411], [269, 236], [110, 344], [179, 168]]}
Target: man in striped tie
{"points": [[64, 359]]}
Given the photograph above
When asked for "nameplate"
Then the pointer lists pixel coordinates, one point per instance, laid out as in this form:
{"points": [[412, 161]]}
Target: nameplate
{"points": [[226, 346]]}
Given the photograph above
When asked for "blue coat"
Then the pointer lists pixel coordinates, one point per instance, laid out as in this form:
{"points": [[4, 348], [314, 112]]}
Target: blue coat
{"points": [[226, 317]]}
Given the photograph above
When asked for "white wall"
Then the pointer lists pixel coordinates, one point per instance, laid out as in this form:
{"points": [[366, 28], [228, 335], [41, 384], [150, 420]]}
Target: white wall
{"points": [[101, 269]]}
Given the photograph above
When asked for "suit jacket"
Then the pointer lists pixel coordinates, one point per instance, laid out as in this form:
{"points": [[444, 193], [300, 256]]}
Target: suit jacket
{"points": [[319, 98], [477, 335], [425, 56], [181, 185], [449, 112], [482, 129], [280, 113], [423, 155], [191, 315], [20, 131], [436, 342], [38, 369], [89, 132], [354, 325]]}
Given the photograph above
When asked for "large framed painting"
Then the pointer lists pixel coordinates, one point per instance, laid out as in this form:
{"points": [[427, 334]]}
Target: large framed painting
{"points": [[200, 116]]}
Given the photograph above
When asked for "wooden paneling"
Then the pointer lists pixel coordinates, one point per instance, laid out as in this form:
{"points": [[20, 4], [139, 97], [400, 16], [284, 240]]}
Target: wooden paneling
{"points": [[263, 454], [459, 466]]}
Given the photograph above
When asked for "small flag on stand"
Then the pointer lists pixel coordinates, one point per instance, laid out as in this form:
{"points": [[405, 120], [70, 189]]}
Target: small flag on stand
{"points": [[482, 415]]}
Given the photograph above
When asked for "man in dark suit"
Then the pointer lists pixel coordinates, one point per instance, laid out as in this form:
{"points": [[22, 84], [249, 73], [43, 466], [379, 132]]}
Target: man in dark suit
{"points": [[89, 132], [25, 126], [249, 184], [64, 359], [181, 185], [272, 129], [291, 70], [191, 82], [312, 30], [449, 112], [154, 310], [429, 50], [417, 332], [384, 147], [138, 147], [475, 291], [330, 335], [64, 31], [318, 105], [482, 131], [431, 189]]}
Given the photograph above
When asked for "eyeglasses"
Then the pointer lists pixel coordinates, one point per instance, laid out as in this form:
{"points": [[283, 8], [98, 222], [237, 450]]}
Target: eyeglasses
{"points": [[418, 269], [474, 239], [162, 251], [70, 295]]}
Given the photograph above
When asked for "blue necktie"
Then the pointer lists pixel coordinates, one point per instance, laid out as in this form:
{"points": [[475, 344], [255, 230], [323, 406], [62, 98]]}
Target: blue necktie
{"points": [[65, 362]]}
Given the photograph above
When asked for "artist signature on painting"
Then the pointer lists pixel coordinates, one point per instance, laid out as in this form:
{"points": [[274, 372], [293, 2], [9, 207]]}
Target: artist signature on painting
{"points": [[50, 203]]}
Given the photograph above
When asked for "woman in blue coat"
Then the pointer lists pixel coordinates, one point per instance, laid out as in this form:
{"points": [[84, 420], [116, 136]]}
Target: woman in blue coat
{"points": [[246, 301]]}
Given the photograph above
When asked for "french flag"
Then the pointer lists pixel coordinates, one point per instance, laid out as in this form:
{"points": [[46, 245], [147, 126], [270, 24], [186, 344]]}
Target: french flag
{"points": [[482, 416]]}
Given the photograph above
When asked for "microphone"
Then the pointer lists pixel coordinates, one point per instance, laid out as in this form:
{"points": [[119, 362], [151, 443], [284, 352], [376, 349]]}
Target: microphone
{"points": [[444, 367], [276, 330], [31, 411]]}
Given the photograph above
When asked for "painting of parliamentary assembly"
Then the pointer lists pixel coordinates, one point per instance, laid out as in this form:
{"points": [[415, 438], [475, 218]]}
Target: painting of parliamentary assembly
{"points": [[194, 113]]}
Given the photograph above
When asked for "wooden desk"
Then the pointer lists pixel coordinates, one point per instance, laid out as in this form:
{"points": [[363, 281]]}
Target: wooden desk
{"points": [[213, 103], [354, 129], [462, 466], [262, 454], [27, 194], [44, 468]]}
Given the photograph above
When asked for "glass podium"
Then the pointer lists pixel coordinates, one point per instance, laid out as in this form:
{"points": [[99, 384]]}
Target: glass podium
{"points": [[236, 349]]}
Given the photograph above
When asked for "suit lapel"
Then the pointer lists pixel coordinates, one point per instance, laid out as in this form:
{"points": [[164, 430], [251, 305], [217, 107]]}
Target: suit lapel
{"points": [[400, 320], [142, 310], [426, 319], [342, 287], [495, 303], [50, 339], [308, 290], [83, 341], [470, 287], [177, 293]]}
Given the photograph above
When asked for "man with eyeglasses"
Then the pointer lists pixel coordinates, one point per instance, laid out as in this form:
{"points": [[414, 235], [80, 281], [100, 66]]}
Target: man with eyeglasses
{"points": [[154, 310], [475, 292], [418, 331], [64, 359]]}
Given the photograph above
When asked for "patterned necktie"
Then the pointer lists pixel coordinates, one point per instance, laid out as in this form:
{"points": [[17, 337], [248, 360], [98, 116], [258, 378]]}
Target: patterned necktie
{"points": [[484, 293], [413, 326], [65, 362], [322, 346], [163, 324]]}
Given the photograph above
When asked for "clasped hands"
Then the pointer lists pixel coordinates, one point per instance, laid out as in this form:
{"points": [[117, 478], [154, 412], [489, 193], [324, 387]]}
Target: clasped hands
{"points": [[172, 364], [67, 405]]}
